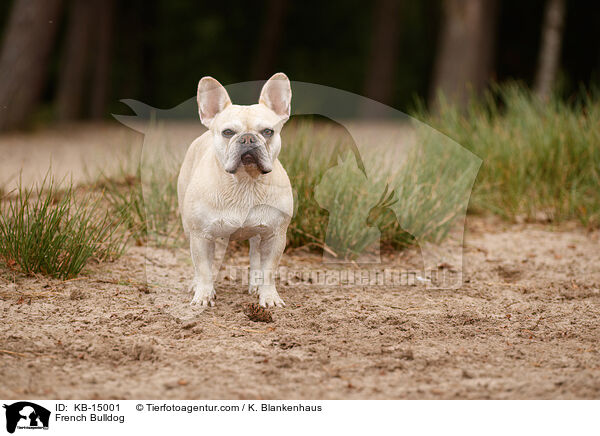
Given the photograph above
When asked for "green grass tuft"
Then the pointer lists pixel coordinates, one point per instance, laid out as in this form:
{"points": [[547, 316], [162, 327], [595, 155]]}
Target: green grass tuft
{"points": [[146, 203], [540, 160], [46, 230]]}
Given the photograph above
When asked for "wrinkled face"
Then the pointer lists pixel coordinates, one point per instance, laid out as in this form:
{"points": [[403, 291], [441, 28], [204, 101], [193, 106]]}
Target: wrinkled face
{"points": [[246, 136]]}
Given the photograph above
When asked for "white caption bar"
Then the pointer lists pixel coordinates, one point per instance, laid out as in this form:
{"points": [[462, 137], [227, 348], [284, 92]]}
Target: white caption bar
{"points": [[158, 417]]}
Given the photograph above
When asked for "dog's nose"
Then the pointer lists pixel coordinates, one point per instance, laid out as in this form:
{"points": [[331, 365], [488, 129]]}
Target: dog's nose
{"points": [[247, 139]]}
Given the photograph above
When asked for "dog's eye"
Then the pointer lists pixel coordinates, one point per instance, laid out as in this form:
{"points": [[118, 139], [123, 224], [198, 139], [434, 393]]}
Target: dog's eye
{"points": [[267, 132], [228, 133]]}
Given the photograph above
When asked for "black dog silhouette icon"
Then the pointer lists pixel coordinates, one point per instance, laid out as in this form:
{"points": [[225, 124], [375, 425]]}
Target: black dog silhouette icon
{"points": [[26, 414]]}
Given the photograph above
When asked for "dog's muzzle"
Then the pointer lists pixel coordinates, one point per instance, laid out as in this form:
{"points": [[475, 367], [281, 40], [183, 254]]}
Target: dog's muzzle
{"points": [[252, 152]]}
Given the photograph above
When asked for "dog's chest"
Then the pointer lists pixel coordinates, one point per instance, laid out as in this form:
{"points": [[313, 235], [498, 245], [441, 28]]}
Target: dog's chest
{"points": [[238, 213], [235, 225]]}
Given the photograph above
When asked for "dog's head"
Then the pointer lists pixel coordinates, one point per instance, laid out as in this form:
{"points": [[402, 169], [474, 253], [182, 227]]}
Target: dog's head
{"points": [[246, 135]]}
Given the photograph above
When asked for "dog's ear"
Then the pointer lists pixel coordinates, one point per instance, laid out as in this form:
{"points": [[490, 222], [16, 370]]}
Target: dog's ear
{"points": [[277, 95], [212, 99]]}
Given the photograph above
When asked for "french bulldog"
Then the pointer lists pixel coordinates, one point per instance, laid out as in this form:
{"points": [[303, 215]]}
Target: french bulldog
{"points": [[232, 187]]}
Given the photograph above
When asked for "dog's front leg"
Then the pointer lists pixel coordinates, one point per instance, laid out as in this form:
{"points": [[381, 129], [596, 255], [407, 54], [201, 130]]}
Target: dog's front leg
{"points": [[255, 276], [271, 249], [203, 252]]}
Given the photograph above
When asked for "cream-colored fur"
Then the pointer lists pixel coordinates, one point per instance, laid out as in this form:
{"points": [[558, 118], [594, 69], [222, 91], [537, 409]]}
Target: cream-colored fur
{"points": [[221, 198]]}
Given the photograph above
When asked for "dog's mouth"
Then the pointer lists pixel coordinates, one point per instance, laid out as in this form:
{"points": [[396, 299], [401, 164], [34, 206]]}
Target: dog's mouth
{"points": [[252, 160], [249, 158]]}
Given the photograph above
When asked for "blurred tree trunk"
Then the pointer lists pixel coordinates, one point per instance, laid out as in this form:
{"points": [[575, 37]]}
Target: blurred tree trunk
{"points": [[101, 73], [130, 50], [75, 60], [551, 40], [28, 42], [464, 62], [379, 84], [270, 39]]}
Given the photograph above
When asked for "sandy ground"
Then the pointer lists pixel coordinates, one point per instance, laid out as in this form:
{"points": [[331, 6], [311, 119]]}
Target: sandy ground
{"points": [[525, 323]]}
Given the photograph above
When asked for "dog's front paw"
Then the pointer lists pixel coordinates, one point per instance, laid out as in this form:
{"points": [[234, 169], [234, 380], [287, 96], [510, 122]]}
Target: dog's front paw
{"points": [[268, 297], [203, 295]]}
